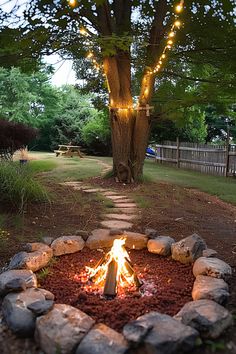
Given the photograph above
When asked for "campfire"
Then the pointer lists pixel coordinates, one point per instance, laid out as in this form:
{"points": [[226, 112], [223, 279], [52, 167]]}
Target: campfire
{"points": [[114, 270]]}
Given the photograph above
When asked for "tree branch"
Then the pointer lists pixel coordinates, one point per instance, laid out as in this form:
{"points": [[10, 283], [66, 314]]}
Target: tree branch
{"points": [[181, 76]]}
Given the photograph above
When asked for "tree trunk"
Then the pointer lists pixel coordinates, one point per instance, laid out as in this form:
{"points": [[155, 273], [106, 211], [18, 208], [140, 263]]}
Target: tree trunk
{"points": [[140, 142], [129, 125], [130, 131], [122, 126]]}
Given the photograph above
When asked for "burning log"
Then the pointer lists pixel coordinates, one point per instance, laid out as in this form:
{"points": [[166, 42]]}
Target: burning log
{"points": [[111, 282], [114, 270], [131, 271]]}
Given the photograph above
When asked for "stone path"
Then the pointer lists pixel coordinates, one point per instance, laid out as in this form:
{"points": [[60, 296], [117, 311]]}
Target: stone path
{"points": [[120, 215]]}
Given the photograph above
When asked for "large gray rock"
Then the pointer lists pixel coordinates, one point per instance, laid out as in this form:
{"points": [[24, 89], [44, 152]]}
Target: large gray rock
{"points": [[188, 249], [158, 333], [212, 267], [67, 244], [210, 288], [102, 340], [16, 280], [15, 308], [160, 245], [101, 238], [62, 329], [41, 307], [208, 317], [39, 256]]}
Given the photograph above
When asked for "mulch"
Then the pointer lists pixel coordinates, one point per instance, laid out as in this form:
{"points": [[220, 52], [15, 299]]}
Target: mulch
{"points": [[166, 287]]}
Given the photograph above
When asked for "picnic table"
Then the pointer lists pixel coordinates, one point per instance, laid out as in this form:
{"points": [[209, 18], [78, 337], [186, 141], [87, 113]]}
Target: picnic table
{"points": [[68, 151]]}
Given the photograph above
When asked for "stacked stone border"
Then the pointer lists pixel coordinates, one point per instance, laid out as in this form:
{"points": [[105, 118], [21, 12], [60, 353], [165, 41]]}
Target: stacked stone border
{"points": [[59, 328]]}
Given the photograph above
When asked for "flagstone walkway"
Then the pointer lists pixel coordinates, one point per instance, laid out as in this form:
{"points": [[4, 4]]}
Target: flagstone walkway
{"points": [[121, 214]]}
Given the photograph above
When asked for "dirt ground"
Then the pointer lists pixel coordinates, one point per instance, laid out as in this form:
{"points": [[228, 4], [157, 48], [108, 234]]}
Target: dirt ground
{"points": [[171, 210]]}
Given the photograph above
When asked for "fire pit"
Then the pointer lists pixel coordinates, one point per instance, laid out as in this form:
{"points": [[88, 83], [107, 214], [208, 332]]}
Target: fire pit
{"points": [[116, 285], [132, 291]]}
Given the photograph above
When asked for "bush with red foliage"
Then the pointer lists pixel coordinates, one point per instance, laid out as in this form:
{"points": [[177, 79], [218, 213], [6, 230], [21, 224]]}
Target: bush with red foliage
{"points": [[14, 136]]}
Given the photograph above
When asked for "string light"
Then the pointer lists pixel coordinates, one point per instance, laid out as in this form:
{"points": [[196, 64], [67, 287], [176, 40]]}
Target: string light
{"points": [[83, 31], [177, 23], [179, 7], [89, 55], [169, 42], [72, 2]]}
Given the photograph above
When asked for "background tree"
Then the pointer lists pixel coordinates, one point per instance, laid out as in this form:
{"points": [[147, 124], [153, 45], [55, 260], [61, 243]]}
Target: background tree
{"points": [[28, 99], [14, 136], [112, 26], [78, 121]]}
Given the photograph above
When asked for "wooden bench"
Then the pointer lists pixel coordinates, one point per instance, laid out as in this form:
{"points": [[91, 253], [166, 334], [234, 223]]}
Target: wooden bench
{"points": [[68, 151]]}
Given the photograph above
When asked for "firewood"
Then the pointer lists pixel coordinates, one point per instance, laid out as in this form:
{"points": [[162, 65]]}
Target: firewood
{"points": [[131, 271], [111, 282]]}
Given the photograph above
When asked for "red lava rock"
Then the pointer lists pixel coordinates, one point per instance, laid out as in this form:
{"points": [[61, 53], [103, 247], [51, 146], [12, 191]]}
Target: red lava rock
{"points": [[167, 286]]}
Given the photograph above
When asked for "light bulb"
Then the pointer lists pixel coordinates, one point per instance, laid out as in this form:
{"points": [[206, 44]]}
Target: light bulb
{"points": [[72, 2], [83, 31], [171, 34], [179, 8], [170, 42], [89, 55], [163, 56], [177, 23]]}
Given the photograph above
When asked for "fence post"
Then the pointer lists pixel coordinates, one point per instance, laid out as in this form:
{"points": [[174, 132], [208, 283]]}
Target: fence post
{"points": [[177, 152], [227, 147], [227, 160]]}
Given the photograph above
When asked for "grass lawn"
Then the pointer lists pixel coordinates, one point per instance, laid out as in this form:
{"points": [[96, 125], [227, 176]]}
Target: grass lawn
{"points": [[66, 169], [224, 188]]}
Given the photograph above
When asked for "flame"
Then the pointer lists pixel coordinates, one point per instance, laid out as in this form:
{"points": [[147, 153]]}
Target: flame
{"points": [[119, 254]]}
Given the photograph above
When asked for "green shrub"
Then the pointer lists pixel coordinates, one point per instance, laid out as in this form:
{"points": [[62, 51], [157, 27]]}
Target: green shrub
{"points": [[18, 185]]}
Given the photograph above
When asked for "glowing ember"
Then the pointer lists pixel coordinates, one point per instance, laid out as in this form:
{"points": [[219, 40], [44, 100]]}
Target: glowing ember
{"points": [[114, 270]]}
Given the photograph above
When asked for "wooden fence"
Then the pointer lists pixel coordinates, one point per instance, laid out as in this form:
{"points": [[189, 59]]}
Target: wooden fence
{"points": [[211, 159]]}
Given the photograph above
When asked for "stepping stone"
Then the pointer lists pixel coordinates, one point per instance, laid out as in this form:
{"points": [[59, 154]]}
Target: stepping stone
{"points": [[124, 210], [121, 201], [116, 224], [81, 187], [125, 205], [93, 190], [71, 183], [120, 216], [108, 193], [115, 197]]}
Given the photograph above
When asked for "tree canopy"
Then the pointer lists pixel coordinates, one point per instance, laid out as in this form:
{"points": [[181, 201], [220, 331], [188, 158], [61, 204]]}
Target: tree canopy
{"points": [[138, 50]]}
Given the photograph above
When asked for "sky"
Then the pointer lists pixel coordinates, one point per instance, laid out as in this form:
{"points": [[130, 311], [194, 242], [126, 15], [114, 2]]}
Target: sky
{"points": [[64, 74]]}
